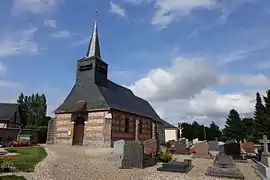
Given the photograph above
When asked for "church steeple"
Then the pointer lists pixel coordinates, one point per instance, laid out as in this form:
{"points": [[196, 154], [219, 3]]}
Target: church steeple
{"points": [[94, 48]]}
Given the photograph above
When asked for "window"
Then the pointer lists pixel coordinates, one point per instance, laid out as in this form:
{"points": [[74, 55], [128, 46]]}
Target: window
{"points": [[101, 69], [140, 127], [126, 125]]}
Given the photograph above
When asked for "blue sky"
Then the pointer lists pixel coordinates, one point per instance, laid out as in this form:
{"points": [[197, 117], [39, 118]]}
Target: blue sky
{"points": [[177, 54]]}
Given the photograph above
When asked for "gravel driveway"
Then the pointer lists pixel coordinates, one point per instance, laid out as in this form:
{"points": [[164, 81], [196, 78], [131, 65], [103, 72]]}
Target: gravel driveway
{"points": [[91, 163]]}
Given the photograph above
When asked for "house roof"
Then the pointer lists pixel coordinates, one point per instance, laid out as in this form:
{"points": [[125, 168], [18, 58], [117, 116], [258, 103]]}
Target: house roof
{"points": [[168, 125], [7, 110]]}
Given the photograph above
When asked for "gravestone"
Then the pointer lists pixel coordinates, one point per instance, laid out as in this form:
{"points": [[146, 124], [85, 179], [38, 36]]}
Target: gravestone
{"points": [[221, 149], [230, 141], [234, 150], [128, 154], [202, 150], [248, 147], [213, 145], [263, 167], [180, 147], [176, 166], [150, 145], [224, 166]]}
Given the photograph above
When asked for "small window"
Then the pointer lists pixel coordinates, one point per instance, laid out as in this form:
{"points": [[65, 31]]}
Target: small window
{"points": [[140, 127], [126, 125], [101, 69]]}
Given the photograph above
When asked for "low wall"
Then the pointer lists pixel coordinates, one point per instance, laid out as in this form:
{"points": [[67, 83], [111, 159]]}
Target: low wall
{"points": [[10, 134]]}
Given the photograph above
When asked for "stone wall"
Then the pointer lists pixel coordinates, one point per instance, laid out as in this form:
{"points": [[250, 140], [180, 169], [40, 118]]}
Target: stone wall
{"points": [[64, 129]]}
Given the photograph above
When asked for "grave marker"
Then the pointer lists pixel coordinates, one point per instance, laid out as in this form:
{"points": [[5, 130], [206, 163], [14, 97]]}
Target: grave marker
{"points": [[202, 150]]}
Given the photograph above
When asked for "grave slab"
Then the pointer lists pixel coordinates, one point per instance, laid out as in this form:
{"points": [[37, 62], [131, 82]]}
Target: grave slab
{"points": [[176, 166], [224, 166]]}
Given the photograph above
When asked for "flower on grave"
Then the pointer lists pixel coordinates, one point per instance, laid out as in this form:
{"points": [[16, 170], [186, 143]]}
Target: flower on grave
{"points": [[7, 162], [152, 152], [187, 149], [9, 157]]}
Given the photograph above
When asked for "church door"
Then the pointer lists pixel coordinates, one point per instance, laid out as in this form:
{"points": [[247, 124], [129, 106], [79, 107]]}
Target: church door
{"points": [[78, 131]]}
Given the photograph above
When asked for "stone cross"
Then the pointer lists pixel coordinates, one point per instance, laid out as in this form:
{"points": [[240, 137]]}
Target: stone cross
{"points": [[265, 146]]}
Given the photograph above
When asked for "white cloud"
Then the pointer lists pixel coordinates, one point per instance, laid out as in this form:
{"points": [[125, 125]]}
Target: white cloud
{"points": [[18, 43], [115, 8], [61, 34], [35, 6], [185, 91], [50, 23], [167, 11]]}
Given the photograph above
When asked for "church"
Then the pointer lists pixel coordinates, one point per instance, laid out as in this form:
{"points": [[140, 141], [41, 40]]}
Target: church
{"points": [[98, 111]]}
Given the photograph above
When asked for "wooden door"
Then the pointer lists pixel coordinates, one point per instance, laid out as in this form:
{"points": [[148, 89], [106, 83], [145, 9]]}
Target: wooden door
{"points": [[78, 132]]}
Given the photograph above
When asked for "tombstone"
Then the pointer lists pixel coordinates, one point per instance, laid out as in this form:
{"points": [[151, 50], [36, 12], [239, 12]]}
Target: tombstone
{"points": [[221, 149], [263, 167], [202, 150], [180, 147], [234, 150], [224, 166], [213, 146], [230, 141], [128, 154], [150, 145], [248, 147], [176, 166]]}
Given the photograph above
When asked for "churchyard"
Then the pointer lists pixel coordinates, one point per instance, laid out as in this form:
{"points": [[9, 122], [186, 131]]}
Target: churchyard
{"points": [[135, 160]]}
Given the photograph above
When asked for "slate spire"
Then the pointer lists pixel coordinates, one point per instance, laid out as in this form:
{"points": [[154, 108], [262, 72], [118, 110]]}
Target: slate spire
{"points": [[94, 48]]}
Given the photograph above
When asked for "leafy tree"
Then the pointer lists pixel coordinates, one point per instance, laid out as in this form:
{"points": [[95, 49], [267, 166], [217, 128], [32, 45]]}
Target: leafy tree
{"points": [[34, 109], [233, 127]]}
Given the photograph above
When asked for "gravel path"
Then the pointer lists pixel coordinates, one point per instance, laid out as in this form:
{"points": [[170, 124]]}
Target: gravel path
{"points": [[91, 163]]}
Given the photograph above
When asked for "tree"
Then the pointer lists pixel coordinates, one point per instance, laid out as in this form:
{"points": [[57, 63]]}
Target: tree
{"points": [[34, 109], [248, 127], [267, 113], [233, 127], [213, 132], [259, 117]]}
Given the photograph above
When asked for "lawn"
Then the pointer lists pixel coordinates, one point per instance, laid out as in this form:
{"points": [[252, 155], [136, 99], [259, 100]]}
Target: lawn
{"points": [[28, 157], [12, 177]]}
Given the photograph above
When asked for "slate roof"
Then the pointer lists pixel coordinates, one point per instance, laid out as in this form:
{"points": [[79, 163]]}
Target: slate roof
{"points": [[7, 110], [168, 125], [105, 97]]}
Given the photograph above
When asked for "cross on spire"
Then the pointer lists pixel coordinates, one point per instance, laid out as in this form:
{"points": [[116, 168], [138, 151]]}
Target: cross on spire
{"points": [[94, 48]]}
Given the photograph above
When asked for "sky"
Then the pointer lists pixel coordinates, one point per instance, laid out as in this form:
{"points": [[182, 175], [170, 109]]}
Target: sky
{"points": [[191, 59]]}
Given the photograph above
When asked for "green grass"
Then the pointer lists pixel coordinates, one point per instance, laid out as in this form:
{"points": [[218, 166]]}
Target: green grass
{"points": [[28, 157], [12, 177]]}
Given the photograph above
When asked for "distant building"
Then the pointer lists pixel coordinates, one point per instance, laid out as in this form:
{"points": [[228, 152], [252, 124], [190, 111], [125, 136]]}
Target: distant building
{"points": [[171, 132], [10, 115], [98, 111]]}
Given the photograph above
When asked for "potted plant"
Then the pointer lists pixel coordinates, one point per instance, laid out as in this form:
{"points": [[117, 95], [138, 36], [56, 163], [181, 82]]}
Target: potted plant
{"points": [[6, 163], [165, 157]]}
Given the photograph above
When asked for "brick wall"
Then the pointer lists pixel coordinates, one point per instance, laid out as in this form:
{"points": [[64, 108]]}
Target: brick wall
{"points": [[97, 129], [63, 125], [131, 131]]}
